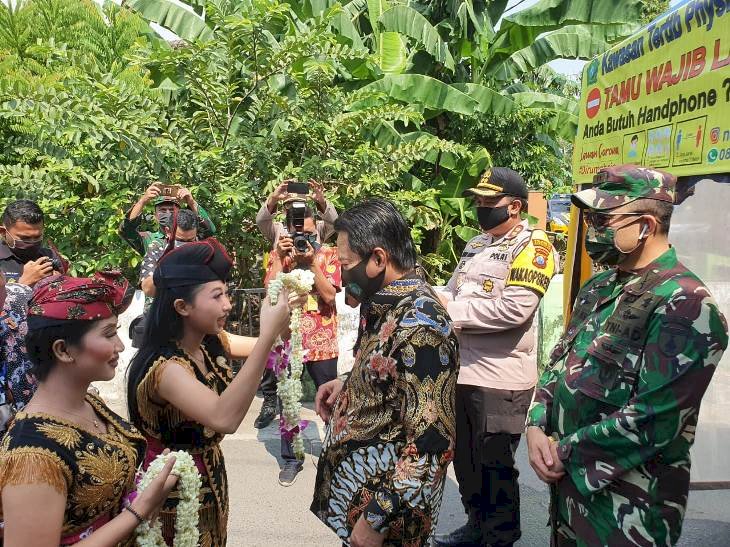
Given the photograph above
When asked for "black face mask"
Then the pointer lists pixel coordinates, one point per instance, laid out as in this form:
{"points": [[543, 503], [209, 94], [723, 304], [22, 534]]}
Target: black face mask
{"points": [[358, 284], [491, 217], [180, 242], [23, 250]]}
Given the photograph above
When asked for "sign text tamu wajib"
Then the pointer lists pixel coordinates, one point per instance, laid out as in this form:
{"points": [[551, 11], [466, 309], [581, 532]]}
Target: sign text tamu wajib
{"points": [[661, 98]]}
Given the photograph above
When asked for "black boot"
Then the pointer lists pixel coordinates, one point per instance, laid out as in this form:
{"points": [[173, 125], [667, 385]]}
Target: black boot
{"points": [[469, 535], [267, 414]]}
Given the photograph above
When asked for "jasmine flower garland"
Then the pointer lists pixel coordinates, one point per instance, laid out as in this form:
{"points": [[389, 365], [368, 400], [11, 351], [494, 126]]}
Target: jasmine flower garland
{"points": [[149, 534], [289, 386]]}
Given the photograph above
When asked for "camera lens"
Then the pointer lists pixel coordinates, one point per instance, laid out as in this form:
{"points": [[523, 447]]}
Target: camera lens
{"points": [[301, 244]]}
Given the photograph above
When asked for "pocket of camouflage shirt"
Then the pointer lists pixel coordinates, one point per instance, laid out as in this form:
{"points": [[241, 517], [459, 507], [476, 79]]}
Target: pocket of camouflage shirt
{"points": [[564, 344], [614, 372]]}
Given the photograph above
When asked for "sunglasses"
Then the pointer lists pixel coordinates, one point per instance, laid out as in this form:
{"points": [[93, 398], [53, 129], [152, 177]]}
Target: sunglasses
{"points": [[602, 220]]}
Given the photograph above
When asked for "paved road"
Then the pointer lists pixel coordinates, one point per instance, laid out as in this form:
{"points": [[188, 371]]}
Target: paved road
{"points": [[265, 514]]}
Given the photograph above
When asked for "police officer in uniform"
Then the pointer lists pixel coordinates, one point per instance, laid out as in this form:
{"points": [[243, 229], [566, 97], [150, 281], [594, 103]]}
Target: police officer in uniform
{"points": [[492, 299], [614, 415]]}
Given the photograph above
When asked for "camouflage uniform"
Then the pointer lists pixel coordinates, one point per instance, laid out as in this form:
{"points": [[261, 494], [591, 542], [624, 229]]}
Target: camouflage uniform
{"points": [[140, 240], [623, 389]]}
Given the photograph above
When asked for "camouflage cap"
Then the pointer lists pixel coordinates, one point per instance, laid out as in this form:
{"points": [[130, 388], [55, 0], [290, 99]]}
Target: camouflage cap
{"points": [[159, 200], [499, 181], [622, 184]]}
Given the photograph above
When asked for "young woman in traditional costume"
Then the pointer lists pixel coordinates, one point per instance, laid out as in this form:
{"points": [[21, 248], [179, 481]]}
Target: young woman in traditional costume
{"points": [[67, 461], [182, 393]]}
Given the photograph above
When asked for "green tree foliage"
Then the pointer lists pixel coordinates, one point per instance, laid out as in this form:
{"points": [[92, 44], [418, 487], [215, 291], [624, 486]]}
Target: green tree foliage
{"points": [[370, 97], [78, 123], [229, 118], [652, 9]]}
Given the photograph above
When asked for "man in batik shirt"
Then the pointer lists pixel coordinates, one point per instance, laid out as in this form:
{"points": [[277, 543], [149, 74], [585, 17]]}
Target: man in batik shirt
{"points": [[391, 425], [614, 415]]}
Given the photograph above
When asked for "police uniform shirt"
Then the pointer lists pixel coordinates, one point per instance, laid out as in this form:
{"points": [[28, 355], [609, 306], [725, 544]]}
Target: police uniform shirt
{"points": [[494, 294]]}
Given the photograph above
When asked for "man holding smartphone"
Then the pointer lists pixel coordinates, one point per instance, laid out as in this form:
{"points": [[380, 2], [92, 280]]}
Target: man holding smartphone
{"points": [[319, 321], [286, 193], [166, 198]]}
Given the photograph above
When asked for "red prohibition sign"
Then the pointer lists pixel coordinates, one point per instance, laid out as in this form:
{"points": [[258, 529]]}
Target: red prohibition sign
{"points": [[593, 103]]}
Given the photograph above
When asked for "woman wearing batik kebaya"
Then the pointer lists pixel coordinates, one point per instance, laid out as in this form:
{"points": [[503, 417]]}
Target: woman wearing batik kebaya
{"points": [[181, 392], [67, 461]]}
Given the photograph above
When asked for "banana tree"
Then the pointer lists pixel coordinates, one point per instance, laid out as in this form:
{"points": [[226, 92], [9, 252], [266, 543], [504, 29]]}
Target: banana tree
{"points": [[494, 50], [458, 56]]}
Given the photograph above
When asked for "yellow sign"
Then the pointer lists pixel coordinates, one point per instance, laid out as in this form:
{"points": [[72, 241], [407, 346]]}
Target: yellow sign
{"points": [[661, 98]]}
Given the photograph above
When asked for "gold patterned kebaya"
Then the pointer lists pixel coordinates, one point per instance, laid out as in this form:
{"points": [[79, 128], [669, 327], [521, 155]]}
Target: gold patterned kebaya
{"points": [[93, 471], [165, 426]]}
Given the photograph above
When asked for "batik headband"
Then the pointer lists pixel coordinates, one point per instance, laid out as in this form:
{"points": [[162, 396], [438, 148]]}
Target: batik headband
{"points": [[62, 298]]}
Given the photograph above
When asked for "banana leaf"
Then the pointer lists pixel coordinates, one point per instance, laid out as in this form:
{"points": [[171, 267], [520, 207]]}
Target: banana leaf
{"points": [[185, 23], [408, 22], [571, 42], [425, 91], [521, 29]]}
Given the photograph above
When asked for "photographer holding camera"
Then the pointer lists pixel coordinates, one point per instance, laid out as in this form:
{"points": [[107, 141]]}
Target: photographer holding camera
{"points": [[24, 261], [288, 192], [185, 231], [167, 199], [300, 247], [23, 258]]}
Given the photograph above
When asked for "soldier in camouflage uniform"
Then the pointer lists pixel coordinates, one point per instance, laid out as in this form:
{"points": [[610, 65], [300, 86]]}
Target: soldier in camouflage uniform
{"points": [[165, 210], [614, 415]]}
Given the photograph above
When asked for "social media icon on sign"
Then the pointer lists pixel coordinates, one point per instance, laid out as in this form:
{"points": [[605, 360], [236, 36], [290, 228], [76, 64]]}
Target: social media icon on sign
{"points": [[715, 135], [712, 155]]}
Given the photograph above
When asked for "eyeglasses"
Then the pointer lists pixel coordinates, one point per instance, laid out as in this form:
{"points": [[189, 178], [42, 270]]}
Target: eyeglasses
{"points": [[24, 240], [602, 220]]}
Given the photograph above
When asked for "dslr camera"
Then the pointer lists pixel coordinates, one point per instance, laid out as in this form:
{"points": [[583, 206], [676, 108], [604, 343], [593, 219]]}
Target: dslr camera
{"points": [[55, 261], [295, 217]]}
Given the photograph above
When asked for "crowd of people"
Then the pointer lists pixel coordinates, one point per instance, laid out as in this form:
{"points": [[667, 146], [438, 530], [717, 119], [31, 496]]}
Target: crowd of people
{"points": [[440, 375]]}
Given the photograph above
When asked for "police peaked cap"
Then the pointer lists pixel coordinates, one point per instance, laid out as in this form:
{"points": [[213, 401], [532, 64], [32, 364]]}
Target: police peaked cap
{"points": [[499, 181]]}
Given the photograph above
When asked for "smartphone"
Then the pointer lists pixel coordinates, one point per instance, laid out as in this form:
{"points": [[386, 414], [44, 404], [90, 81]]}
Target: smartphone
{"points": [[298, 188], [169, 190]]}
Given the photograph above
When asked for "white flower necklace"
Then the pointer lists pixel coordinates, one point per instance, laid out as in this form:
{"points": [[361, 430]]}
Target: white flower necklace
{"points": [[149, 534], [289, 385]]}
